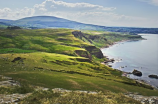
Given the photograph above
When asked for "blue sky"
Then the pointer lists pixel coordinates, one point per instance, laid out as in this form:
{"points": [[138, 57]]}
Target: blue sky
{"points": [[130, 13]]}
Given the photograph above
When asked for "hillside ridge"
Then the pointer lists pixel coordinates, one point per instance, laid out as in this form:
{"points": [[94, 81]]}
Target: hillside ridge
{"points": [[37, 22], [64, 58]]}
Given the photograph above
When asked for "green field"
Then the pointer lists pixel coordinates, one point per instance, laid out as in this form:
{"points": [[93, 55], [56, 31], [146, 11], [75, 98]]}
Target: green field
{"points": [[55, 58]]}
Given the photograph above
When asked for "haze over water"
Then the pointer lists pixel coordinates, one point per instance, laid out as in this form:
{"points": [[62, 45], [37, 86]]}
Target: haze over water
{"points": [[141, 55]]}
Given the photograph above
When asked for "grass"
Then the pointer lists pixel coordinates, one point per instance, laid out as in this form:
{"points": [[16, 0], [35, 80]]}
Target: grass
{"points": [[59, 41], [43, 69], [17, 89], [77, 82], [3, 26], [15, 50], [55, 58], [50, 97], [1, 78], [103, 39]]}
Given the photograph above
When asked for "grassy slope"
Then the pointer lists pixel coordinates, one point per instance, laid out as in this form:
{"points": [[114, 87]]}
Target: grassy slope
{"points": [[50, 40], [49, 97], [2, 26], [104, 39], [40, 69], [63, 68]]}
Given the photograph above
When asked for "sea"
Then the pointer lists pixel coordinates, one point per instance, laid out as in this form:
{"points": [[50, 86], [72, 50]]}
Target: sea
{"points": [[141, 55]]}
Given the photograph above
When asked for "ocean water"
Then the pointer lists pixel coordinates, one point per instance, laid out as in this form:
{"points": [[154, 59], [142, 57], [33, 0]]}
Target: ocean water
{"points": [[141, 55]]}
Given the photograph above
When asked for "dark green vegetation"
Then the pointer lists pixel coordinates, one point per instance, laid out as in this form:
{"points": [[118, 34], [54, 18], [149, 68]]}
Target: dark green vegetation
{"points": [[63, 58]]}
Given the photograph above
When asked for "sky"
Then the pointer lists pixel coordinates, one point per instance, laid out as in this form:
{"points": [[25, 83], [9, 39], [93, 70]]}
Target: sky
{"points": [[125, 13]]}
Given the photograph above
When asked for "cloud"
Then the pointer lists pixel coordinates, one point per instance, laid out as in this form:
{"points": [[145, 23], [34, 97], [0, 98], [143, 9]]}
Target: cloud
{"points": [[52, 5], [7, 13], [155, 2], [152, 2], [81, 12]]}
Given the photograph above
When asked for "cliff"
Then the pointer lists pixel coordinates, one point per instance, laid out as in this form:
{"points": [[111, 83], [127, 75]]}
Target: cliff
{"points": [[93, 50]]}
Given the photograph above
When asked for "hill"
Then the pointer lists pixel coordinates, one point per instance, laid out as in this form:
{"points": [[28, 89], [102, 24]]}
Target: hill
{"points": [[50, 22], [55, 22], [64, 58]]}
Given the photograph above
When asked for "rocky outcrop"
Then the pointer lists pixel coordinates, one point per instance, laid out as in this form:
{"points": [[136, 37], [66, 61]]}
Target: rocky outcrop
{"points": [[12, 98], [8, 82], [88, 37], [153, 76], [137, 73], [80, 35], [83, 60], [94, 51], [143, 99], [109, 60], [110, 65], [18, 59], [83, 53]]}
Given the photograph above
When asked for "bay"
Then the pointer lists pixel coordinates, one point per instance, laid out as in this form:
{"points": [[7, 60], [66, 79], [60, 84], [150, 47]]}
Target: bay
{"points": [[141, 55]]}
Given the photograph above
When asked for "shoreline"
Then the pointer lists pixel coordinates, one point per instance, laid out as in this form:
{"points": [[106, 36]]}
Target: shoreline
{"points": [[125, 74]]}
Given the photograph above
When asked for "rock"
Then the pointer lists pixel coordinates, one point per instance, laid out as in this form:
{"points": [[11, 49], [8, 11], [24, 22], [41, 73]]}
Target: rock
{"points": [[129, 73], [94, 51], [106, 61], [7, 78], [9, 83], [83, 53], [16, 59], [83, 60], [143, 99], [137, 73], [110, 65], [109, 60], [12, 98], [112, 60], [153, 76]]}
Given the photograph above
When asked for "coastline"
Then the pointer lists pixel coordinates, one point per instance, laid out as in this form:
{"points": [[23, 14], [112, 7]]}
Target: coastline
{"points": [[109, 45], [125, 74]]}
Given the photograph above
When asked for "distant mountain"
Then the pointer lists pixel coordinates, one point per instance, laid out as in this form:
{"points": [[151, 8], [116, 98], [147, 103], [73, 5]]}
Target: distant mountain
{"points": [[5, 20], [51, 22], [55, 22], [2, 23]]}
